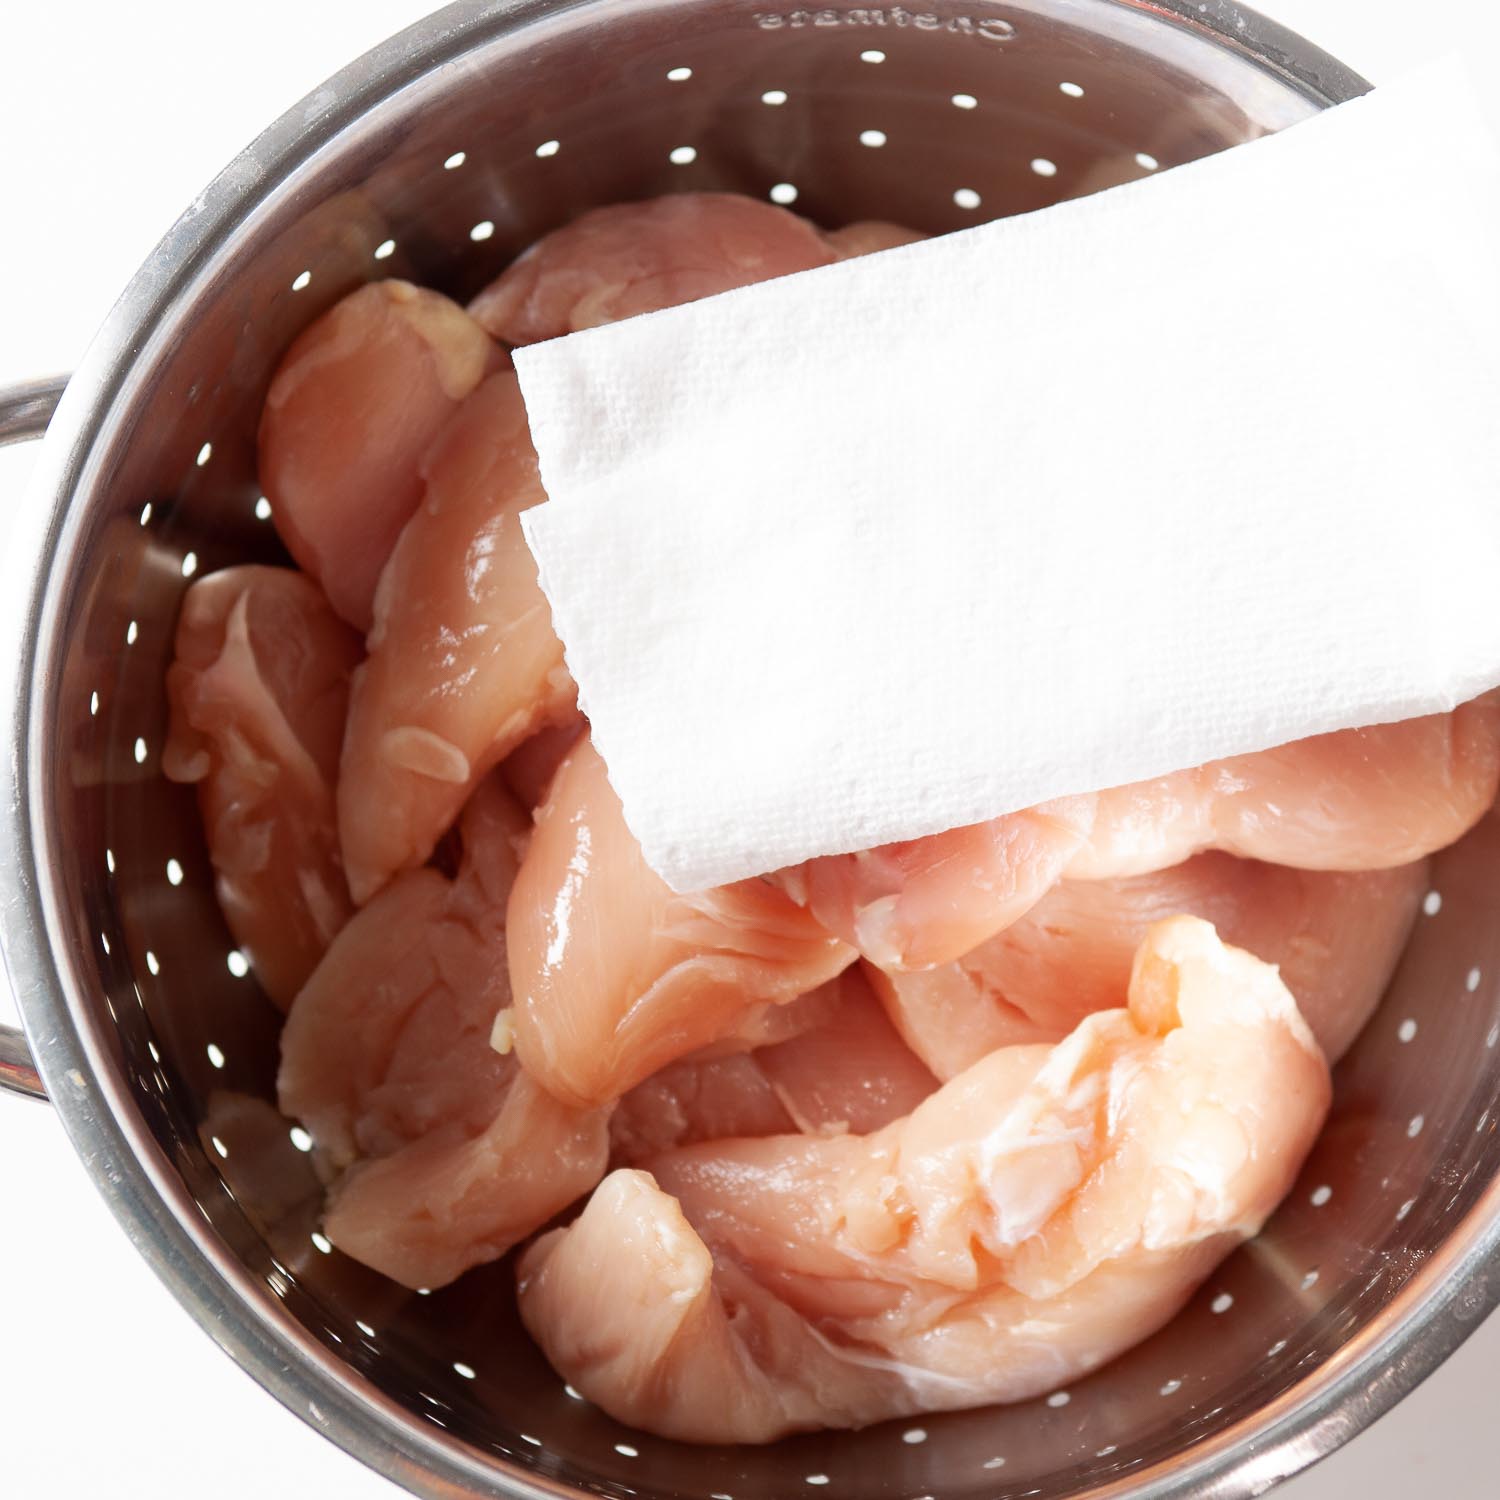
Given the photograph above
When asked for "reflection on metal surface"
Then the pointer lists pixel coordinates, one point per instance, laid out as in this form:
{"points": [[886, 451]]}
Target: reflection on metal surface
{"points": [[25, 411]]}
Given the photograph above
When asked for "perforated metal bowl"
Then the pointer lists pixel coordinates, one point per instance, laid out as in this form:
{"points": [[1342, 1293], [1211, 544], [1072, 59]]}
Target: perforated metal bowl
{"points": [[437, 157]]}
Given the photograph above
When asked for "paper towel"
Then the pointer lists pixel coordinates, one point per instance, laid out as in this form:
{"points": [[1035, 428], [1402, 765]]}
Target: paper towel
{"points": [[1181, 470]]}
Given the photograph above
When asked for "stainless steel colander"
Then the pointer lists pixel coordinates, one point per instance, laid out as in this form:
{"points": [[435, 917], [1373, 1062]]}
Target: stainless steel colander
{"points": [[437, 157]]}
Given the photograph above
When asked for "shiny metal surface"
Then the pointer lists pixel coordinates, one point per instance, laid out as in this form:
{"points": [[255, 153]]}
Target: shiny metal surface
{"points": [[25, 411], [158, 1052], [18, 1074]]}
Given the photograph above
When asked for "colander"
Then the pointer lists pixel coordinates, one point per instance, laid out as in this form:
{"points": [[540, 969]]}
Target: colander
{"points": [[437, 157]]}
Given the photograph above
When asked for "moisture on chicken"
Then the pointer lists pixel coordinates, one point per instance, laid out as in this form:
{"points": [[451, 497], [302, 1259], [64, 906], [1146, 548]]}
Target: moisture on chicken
{"points": [[447, 1154], [1357, 799], [614, 974], [464, 664], [1039, 1214], [353, 406], [257, 693]]}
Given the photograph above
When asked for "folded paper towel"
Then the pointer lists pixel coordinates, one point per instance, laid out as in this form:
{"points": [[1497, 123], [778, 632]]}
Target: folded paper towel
{"points": [[1188, 468]]}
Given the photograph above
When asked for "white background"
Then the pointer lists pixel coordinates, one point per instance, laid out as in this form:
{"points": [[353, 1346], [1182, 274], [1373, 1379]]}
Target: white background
{"points": [[113, 116]]}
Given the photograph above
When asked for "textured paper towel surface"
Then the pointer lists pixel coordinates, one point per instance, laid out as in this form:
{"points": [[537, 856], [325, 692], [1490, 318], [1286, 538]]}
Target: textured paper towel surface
{"points": [[1185, 469]]}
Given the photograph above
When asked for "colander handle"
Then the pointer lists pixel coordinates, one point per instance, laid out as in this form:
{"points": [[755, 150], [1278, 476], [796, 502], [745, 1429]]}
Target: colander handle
{"points": [[25, 411]]}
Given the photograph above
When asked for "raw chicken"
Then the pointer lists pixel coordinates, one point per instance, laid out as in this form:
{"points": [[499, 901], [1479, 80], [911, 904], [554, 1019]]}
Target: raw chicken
{"points": [[353, 405], [868, 236], [927, 901], [528, 770], [257, 694], [615, 975], [632, 258], [1335, 937], [852, 1072], [848, 1071], [464, 664], [1358, 799], [769, 1025], [1036, 1216], [449, 1154], [697, 1099]]}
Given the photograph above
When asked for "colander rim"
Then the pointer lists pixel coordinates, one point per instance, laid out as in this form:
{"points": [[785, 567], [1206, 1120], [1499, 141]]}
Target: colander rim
{"points": [[1438, 1307]]}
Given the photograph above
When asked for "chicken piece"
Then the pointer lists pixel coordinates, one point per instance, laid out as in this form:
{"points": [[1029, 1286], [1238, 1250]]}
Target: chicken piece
{"points": [[850, 1073], [1357, 799], [1335, 937], [762, 1026], [720, 1090], [464, 664], [848, 1070], [528, 770], [927, 901], [869, 236], [1036, 1216], [256, 697], [426, 1214], [697, 1099], [630, 258], [448, 1154], [614, 974], [353, 405]]}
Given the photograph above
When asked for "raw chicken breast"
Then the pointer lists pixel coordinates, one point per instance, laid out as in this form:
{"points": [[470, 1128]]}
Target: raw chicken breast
{"points": [[927, 901], [1036, 1216], [1335, 938], [614, 974], [528, 771], [868, 236], [464, 664], [449, 1154], [1358, 799], [257, 694], [630, 258], [354, 403], [848, 1071], [764, 1026], [697, 1099]]}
